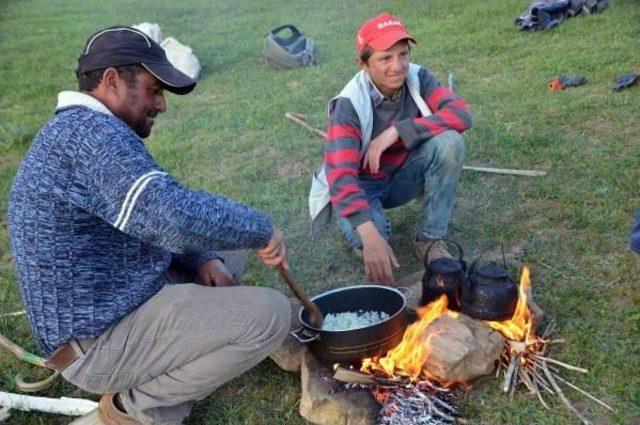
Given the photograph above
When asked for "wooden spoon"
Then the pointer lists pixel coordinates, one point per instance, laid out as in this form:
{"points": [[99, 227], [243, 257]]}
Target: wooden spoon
{"points": [[315, 315]]}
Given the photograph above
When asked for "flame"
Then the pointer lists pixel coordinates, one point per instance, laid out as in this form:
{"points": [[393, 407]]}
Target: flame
{"points": [[520, 326], [408, 357]]}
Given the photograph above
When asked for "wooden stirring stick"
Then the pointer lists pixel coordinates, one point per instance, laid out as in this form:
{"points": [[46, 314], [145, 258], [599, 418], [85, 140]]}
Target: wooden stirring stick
{"points": [[315, 315]]}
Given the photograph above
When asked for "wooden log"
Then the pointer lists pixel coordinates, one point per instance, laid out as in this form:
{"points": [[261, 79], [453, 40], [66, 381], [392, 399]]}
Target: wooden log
{"points": [[351, 376]]}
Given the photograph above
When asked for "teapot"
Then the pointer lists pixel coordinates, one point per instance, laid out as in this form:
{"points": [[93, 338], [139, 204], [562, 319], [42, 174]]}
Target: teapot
{"points": [[444, 276], [489, 293]]}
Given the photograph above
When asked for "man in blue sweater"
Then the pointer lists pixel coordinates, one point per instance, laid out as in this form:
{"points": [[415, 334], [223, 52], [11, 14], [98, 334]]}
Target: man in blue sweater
{"points": [[98, 232]]}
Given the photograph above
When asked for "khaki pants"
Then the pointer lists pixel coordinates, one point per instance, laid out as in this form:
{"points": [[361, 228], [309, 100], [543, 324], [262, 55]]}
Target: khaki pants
{"points": [[180, 345]]}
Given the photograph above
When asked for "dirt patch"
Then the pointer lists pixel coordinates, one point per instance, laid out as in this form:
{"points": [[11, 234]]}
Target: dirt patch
{"points": [[598, 128]]}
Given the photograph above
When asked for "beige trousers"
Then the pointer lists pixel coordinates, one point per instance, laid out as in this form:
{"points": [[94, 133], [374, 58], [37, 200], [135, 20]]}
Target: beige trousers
{"points": [[180, 345]]}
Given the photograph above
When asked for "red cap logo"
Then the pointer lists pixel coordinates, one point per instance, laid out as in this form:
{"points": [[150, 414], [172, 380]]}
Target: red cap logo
{"points": [[381, 32]]}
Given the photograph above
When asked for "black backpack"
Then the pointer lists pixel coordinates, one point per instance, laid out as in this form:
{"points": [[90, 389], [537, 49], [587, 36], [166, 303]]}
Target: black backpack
{"points": [[291, 52]]}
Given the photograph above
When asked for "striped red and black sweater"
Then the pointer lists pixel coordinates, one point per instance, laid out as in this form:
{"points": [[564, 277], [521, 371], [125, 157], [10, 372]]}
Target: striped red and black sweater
{"points": [[342, 150]]}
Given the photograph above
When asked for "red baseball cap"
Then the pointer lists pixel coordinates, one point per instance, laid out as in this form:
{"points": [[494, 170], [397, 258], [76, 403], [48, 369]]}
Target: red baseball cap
{"points": [[381, 32]]}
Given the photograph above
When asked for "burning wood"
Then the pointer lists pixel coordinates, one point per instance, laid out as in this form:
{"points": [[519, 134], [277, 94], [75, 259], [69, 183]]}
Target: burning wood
{"points": [[402, 400], [525, 361], [420, 402]]}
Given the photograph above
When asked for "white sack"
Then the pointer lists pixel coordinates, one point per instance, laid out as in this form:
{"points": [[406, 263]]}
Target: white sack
{"points": [[182, 57]]}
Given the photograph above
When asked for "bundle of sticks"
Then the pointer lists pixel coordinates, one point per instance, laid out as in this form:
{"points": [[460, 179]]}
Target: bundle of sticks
{"points": [[528, 363], [404, 402]]}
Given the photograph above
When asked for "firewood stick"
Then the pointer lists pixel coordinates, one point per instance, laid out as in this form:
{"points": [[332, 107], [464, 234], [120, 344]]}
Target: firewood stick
{"points": [[299, 119], [349, 376], [538, 393], [528, 173], [354, 377], [559, 363], [524, 377], [540, 381], [514, 379], [564, 399], [602, 403], [506, 384]]}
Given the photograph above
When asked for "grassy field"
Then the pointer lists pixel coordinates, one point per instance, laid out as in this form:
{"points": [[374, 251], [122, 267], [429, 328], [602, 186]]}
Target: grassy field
{"points": [[230, 137]]}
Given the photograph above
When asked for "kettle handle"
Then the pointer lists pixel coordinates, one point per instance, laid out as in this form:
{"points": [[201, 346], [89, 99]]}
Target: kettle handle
{"points": [[473, 266], [460, 252]]}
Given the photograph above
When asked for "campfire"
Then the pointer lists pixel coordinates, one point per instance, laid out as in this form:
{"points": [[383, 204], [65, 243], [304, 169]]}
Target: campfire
{"points": [[409, 393]]}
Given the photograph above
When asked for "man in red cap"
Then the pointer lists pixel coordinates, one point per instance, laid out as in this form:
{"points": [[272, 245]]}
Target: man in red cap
{"points": [[393, 136]]}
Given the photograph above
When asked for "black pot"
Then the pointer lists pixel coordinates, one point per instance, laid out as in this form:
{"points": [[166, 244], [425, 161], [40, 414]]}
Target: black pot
{"points": [[355, 344], [489, 293]]}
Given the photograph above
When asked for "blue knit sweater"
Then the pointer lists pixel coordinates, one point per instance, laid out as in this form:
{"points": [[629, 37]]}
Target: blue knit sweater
{"points": [[94, 223]]}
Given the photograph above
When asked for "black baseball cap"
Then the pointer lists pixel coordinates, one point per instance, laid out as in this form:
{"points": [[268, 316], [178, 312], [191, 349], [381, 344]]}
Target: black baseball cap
{"points": [[120, 45]]}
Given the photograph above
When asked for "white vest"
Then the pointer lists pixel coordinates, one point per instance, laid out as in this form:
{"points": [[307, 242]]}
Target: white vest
{"points": [[357, 91]]}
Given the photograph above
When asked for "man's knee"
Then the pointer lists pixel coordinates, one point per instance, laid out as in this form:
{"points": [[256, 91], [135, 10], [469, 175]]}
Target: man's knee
{"points": [[450, 147], [272, 310]]}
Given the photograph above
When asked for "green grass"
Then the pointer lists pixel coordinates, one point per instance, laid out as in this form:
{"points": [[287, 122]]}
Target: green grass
{"points": [[230, 137]]}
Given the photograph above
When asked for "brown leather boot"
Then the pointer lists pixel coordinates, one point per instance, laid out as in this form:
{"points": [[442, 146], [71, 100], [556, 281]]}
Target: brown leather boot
{"points": [[428, 249], [110, 415]]}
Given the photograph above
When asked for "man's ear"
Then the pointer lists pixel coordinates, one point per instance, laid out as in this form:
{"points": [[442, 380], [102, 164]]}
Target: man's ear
{"points": [[111, 79]]}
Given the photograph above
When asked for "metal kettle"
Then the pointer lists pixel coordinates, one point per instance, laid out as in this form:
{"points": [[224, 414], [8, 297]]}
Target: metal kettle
{"points": [[444, 276], [489, 292]]}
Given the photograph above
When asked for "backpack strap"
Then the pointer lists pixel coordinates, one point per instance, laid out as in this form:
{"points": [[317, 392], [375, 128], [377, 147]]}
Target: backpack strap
{"points": [[290, 42]]}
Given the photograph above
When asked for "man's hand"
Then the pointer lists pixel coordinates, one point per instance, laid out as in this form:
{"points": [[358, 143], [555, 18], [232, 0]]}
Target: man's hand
{"points": [[378, 145], [275, 252], [378, 255], [214, 273]]}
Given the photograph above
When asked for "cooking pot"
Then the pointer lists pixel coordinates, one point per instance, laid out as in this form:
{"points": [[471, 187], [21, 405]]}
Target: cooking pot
{"points": [[354, 344], [489, 293]]}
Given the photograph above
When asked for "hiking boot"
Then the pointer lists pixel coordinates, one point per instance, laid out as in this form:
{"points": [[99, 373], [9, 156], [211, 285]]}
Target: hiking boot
{"points": [[110, 415], [428, 249]]}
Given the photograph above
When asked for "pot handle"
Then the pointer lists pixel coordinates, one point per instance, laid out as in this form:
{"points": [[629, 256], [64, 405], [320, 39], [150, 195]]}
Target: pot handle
{"points": [[303, 335], [408, 293]]}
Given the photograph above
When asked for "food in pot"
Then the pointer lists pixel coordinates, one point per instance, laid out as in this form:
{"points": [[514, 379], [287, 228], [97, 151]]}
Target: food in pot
{"points": [[352, 320]]}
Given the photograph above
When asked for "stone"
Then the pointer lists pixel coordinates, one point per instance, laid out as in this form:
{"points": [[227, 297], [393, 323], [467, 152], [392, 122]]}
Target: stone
{"points": [[461, 348], [289, 356], [324, 402]]}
